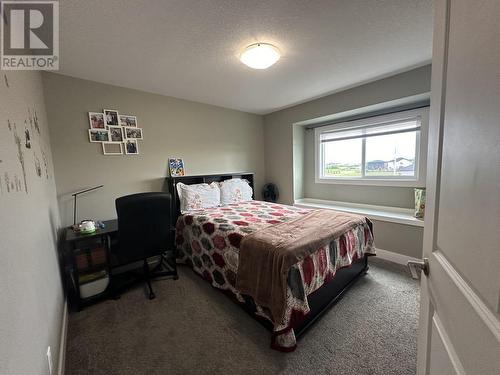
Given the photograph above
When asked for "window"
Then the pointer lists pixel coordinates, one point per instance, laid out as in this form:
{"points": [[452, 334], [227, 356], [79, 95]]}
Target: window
{"points": [[383, 150]]}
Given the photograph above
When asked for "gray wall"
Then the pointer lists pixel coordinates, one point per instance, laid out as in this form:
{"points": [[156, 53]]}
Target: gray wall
{"points": [[399, 238], [31, 297], [290, 154], [210, 140]]}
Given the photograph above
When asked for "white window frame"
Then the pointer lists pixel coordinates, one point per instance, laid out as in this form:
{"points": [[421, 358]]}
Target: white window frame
{"points": [[420, 153]]}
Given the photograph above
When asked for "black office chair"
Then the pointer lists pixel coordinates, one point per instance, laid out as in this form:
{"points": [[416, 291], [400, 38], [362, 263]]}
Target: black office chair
{"points": [[144, 221]]}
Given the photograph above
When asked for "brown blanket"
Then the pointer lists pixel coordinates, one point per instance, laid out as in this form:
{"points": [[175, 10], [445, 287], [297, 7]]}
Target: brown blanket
{"points": [[267, 255]]}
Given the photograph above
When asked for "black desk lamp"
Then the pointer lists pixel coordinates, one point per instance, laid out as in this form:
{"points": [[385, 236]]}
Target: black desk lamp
{"points": [[77, 194]]}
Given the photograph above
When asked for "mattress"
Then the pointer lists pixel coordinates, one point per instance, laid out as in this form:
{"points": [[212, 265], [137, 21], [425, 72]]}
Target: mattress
{"points": [[208, 240]]}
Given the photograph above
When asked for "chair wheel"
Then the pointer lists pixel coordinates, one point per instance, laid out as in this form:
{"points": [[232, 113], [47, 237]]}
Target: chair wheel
{"points": [[176, 277], [152, 295], [117, 297]]}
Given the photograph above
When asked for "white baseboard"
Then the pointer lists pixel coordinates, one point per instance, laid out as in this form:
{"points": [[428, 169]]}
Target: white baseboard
{"points": [[62, 340], [394, 257]]}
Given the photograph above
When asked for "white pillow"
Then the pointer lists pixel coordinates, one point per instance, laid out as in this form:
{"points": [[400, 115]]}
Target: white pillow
{"points": [[235, 190], [198, 196]]}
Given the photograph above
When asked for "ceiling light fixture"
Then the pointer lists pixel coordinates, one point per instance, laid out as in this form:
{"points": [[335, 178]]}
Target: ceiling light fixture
{"points": [[260, 55]]}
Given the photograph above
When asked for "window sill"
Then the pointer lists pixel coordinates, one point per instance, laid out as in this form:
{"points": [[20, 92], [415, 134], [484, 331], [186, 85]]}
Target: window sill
{"points": [[380, 213], [371, 182]]}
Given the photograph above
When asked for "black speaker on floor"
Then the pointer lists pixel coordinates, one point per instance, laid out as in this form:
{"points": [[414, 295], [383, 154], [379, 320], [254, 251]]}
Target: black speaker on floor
{"points": [[270, 193]]}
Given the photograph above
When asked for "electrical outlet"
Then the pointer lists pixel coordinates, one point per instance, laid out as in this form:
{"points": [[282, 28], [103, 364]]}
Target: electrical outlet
{"points": [[49, 360]]}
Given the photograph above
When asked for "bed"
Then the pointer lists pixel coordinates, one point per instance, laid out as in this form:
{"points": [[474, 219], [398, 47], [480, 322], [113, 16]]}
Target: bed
{"points": [[208, 240]]}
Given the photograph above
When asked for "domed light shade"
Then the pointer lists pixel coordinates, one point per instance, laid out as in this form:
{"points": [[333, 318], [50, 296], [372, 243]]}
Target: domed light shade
{"points": [[260, 55]]}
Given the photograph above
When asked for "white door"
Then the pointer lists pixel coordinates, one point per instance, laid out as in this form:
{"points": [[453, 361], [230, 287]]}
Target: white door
{"points": [[459, 330]]}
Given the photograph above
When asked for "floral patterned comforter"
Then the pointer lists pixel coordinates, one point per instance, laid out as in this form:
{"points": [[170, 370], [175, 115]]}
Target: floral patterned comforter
{"points": [[208, 240]]}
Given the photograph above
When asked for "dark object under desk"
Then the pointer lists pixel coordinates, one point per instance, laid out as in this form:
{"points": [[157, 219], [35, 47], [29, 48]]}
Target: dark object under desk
{"points": [[88, 255], [86, 260]]}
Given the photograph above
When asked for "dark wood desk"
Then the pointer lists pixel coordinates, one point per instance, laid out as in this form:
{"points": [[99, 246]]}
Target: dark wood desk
{"points": [[111, 227], [86, 258], [79, 265]]}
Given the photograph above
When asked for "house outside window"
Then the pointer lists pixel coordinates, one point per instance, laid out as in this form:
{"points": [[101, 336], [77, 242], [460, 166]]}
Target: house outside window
{"points": [[388, 150]]}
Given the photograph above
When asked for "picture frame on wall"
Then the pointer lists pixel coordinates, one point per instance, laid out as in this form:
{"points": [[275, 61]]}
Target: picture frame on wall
{"points": [[111, 117], [112, 148], [128, 120], [132, 133], [176, 167], [96, 120], [98, 135], [131, 147], [118, 134], [115, 134]]}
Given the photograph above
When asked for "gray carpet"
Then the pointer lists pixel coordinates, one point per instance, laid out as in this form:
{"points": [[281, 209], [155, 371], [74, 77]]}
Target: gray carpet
{"points": [[191, 328]]}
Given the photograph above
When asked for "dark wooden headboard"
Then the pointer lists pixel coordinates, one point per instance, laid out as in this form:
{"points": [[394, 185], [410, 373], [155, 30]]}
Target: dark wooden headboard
{"points": [[199, 179]]}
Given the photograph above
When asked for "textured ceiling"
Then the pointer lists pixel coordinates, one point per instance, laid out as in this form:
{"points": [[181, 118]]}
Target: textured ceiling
{"points": [[188, 48]]}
